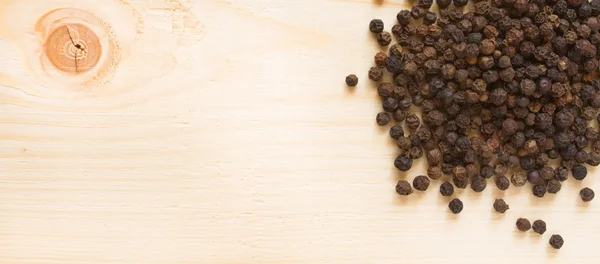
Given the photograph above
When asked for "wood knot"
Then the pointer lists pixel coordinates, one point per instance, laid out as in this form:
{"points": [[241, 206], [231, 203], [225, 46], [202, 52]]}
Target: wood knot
{"points": [[76, 46]]}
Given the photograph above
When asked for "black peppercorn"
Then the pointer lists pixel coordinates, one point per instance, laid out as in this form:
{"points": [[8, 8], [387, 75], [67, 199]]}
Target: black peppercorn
{"points": [[500, 206], [556, 241], [523, 224], [376, 26], [421, 183], [351, 80], [539, 226], [383, 119], [553, 186], [502, 183], [478, 184], [403, 163], [456, 205], [518, 179], [586, 194], [539, 190], [376, 73], [403, 188], [446, 189], [434, 172], [579, 172]]}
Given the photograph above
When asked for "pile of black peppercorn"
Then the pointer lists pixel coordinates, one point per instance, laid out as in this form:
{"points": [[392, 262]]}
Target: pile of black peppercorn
{"points": [[503, 90]]}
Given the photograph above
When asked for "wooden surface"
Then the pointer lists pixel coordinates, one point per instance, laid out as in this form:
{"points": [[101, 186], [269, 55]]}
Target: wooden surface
{"points": [[222, 132]]}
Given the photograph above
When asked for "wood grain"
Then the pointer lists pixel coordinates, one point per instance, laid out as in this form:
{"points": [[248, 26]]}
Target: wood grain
{"points": [[224, 134]]}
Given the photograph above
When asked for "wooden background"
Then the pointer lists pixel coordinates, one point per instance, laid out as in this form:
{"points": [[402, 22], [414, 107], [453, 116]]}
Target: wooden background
{"points": [[226, 135]]}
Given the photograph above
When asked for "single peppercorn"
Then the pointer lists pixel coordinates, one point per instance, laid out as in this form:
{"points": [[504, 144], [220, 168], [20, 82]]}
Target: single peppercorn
{"points": [[460, 3], [403, 188], [456, 206], [523, 224], [446, 189], [421, 183], [383, 118], [539, 226], [500, 206], [478, 184], [586, 194], [518, 179], [556, 241], [375, 73], [351, 80], [384, 38], [376, 26], [539, 190], [502, 183], [553, 186], [434, 172], [579, 172], [403, 163]]}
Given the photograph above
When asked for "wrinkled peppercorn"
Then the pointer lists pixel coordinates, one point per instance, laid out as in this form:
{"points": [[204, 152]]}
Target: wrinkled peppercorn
{"points": [[579, 172], [421, 183], [446, 189], [456, 205], [586, 194], [502, 183], [553, 186], [376, 73], [556, 241], [523, 224], [403, 188], [539, 226], [383, 119], [500, 206], [403, 163], [539, 190]]}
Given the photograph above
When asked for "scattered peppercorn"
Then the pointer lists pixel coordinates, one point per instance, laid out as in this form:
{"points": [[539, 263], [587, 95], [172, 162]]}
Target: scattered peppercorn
{"points": [[553, 186], [351, 80], [556, 241], [500, 206], [539, 226], [403, 188], [579, 172], [539, 190], [523, 224], [456, 206], [586, 194], [376, 26], [446, 189]]}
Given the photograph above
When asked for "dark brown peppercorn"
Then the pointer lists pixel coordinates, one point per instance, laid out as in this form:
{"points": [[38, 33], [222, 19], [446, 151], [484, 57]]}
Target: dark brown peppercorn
{"points": [[416, 152], [421, 183], [404, 17], [553, 186], [502, 183], [478, 184], [533, 177], [412, 122], [434, 172], [523, 224], [539, 190], [579, 172], [351, 80], [456, 205], [556, 241], [446, 189], [460, 3], [390, 104], [403, 188], [539, 226], [443, 3], [500, 206], [376, 26], [375, 73], [396, 132], [384, 38], [586, 194], [383, 119], [403, 163]]}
